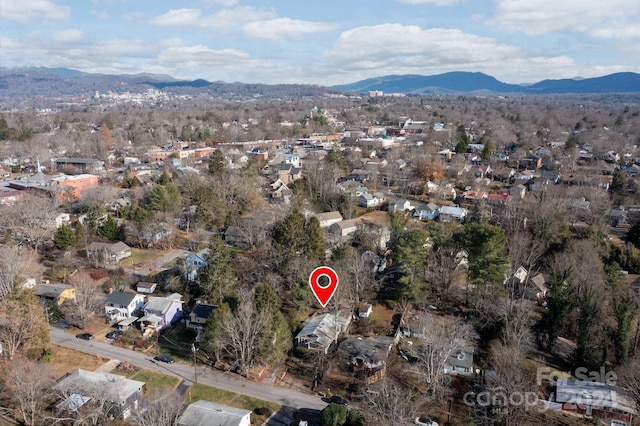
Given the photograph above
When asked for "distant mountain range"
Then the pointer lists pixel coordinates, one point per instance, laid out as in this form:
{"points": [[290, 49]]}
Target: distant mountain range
{"points": [[55, 83], [476, 82]]}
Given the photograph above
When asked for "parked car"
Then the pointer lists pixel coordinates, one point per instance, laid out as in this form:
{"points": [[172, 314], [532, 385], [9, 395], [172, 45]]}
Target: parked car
{"points": [[114, 334], [164, 358], [84, 336], [425, 421], [337, 400]]}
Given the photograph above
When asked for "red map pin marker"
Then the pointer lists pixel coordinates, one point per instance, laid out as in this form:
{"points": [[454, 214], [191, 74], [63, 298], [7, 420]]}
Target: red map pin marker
{"points": [[323, 293]]}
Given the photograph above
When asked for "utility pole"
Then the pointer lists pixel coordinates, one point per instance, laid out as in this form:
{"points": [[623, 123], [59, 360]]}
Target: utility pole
{"points": [[195, 371]]}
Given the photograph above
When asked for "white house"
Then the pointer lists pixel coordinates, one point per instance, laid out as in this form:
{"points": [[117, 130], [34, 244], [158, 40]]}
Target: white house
{"points": [[121, 305], [206, 413], [369, 200], [448, 213], [329, 218], [318, 333]]}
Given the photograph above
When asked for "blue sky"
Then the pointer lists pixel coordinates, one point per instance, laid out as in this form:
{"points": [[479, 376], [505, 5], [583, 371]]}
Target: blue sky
{"points": [[324, 42]]}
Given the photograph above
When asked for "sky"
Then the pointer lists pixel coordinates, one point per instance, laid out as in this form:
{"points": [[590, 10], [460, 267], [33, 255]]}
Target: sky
{"points": [[326, 42]]}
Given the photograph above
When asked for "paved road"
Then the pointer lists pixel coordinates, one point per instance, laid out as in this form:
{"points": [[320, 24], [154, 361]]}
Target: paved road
{"points": [[206, 375]]}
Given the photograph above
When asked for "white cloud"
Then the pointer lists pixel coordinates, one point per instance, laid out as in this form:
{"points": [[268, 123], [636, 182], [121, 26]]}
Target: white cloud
{"points": [[225, 3], [399, 49], [436, 2], [100, 14], [223, 21], [621, 30], [179, 18], [228, 20], [202, 57], [284, 28], [26, 10], [545, 16], [68, 36]]}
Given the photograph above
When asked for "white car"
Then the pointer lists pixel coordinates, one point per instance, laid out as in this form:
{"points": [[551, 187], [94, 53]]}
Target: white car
{"points": [[424, 421]]}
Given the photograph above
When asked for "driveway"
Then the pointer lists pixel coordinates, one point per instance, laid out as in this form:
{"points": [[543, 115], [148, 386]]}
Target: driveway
{"points": [[206, 375]]}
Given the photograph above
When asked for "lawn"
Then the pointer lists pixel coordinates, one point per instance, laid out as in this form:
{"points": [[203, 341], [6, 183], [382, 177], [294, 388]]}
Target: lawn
{"points": [[140, 257], [153, 380], [199, 391], [66, 361], [250, 403]]}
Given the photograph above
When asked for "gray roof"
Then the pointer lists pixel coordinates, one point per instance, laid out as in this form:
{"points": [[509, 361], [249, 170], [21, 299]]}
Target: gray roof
{"points": [[595, 393], [50, 290], [323, 329], [203, 310], [159, 304], [206, 413], [87, 383], [120, 298], [369, 351]]}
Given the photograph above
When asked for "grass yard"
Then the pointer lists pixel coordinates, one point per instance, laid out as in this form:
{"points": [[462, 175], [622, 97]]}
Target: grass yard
{"points": [[199, 391], [155, 380], [66, 361], [250, 403], [140, 257]]}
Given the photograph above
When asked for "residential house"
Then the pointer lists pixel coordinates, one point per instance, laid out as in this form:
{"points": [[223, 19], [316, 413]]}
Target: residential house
{"points": [[537, 287], [120, 305], [198, 318], [617, 216], [366, 357], [518, 191], [461, 361], [369, 201], [110, 253], [193, 262], [447, 193], [206, 413], [161, 312], [498, 199], [532, 162], [62, 219], [56, 294], [400, 206], [329, 218], [473, 196], [281, 192], [608, 403], [448, 213], [364, 309], [427, 211], [345, 227], [503, 174], [10, 197], [112, 392], [318, 333], [146, 287]]}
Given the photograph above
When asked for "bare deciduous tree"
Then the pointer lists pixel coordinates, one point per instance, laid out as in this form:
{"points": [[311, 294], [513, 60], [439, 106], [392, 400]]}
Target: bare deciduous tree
{"points": [[27, 386], [162, 407], [31, 223], [392, 404], [22, 322], [440, 341], [90, 299], [242, 329], [16, 264]]}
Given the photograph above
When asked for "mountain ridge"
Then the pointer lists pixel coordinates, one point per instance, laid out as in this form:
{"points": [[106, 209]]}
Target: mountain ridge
{"points": [[28, 82], [473, 82]]}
